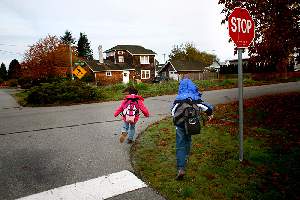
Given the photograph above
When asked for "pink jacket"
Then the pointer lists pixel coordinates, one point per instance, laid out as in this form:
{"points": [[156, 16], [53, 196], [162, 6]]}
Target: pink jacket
{"points": [[142, 107]]}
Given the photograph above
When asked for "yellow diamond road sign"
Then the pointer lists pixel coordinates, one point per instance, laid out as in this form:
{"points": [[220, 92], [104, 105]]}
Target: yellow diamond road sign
{"points": [[79, 71]]}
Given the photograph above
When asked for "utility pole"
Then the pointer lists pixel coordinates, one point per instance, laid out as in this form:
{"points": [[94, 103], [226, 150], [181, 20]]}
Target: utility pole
{"points": [[71, 64]]}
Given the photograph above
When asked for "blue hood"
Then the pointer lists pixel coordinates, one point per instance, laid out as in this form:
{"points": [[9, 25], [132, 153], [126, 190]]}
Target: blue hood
{"points": [[187, 89]]}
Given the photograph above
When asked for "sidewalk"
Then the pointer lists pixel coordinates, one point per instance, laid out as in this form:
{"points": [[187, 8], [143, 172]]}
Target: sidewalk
{"points": [[6, 100]]}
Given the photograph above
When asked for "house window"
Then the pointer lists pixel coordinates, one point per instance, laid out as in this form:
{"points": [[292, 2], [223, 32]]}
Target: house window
{"points": [[121, 59], [108, 73], [145, 74], [144, 59], [120, 52]]}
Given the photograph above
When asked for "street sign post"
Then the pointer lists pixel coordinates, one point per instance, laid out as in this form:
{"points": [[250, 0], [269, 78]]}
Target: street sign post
{"points": [[241, 30], [71, 64]]}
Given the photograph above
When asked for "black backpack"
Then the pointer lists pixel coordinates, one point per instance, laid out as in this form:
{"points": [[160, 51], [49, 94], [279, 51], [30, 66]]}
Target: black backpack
{"points": [[187, 114]]}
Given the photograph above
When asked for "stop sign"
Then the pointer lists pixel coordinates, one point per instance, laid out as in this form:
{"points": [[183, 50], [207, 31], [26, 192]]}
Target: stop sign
{"points": [[241, 27]]}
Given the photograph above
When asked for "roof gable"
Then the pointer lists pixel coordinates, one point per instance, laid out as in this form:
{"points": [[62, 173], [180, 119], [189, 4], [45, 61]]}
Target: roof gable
{"points": [[182, 65], [132, 49], [95, 66]]}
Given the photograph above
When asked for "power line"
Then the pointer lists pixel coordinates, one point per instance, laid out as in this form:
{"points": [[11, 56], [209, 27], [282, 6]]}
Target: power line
{"points": [[12, 45], [1, 50]]}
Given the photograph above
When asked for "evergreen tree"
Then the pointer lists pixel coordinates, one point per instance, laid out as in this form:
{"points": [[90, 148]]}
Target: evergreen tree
{"points": [[3, 72], [83, 47], [67, 38], [14, 69]]}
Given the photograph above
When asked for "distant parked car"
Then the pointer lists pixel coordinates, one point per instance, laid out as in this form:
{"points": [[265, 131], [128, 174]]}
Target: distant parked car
{"points": [[159, 79]]}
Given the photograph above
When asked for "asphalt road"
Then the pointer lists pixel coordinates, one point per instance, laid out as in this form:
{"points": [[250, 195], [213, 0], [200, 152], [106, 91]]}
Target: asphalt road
{"points": [[48, 147]]}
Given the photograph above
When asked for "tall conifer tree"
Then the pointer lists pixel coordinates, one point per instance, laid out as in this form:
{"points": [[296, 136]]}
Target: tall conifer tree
{"points": [[67, 38], [83, 47], [3, 72]]}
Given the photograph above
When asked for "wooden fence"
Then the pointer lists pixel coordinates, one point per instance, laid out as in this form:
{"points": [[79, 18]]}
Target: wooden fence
{"points": [[262, 76], [270, 76], [202, 75]]}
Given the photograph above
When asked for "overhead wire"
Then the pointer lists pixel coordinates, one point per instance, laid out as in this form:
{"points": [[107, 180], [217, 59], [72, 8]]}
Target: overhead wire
{"points": [[13, 45], [11, 52], [5, 51]]}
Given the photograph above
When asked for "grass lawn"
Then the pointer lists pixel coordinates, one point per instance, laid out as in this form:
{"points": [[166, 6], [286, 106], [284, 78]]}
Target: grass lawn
{"points": [[271, 165]]}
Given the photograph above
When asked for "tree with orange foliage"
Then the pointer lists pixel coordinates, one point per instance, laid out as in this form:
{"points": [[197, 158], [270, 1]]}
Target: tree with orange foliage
{"points": [[49, 57]]}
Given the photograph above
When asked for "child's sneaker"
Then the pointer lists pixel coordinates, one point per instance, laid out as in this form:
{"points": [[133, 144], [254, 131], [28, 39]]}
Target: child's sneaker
{"points": [[123, 136], [180, 175]]}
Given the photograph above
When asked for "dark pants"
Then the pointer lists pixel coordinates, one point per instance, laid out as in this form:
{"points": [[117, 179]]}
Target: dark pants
{"points": [[183, 147]]}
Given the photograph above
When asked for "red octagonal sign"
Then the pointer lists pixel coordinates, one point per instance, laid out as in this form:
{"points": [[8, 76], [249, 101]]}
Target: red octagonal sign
{"points": [[241, 27]]}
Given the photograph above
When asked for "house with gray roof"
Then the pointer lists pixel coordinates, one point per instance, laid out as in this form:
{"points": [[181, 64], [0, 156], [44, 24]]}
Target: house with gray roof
{"points": [[177, 69], [123, 63]]}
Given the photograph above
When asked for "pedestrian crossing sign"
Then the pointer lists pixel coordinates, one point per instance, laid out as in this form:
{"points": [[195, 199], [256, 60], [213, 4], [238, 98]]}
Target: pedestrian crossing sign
{"points": [[79, 71]]}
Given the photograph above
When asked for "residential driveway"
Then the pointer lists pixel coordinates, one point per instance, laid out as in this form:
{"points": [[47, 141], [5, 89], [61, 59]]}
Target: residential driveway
{"points": [[49, 147]]}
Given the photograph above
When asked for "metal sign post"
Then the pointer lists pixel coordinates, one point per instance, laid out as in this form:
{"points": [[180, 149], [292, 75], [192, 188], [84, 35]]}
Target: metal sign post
{"points": [[71, 64], [241, 114], [241, 30]]}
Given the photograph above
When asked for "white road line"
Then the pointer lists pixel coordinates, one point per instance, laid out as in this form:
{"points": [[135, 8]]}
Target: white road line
{"points": [[99, 188]]}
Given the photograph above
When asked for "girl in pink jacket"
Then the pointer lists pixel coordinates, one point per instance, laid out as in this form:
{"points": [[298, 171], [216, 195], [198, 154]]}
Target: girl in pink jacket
{"points": [[129, 109]]}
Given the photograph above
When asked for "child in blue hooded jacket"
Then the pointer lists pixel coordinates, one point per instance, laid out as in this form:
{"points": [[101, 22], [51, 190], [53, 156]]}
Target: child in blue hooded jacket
{"points": [[187, 90]]}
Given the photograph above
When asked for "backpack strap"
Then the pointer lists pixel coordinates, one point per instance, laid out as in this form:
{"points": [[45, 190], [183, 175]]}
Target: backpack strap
{"points": [[181, 114], [133, 100], [189, 101]]}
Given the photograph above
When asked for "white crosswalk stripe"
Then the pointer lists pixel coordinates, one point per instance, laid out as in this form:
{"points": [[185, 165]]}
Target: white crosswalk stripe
{"points": [[94, 189]]}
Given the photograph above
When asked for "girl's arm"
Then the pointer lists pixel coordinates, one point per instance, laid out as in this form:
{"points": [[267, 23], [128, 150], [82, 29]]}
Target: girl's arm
{"points": [[119, 109], [143, 108]]}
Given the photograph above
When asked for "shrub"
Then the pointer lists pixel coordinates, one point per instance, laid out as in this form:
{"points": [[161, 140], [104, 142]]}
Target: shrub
{"points": [[142, 86], [227, 82], [118, 86], [63, 92], [12, 83], [89, 78], [27, 82], [249, 81]]}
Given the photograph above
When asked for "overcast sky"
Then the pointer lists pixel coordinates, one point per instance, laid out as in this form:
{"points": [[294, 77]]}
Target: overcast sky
{"points": [[154, 24]]}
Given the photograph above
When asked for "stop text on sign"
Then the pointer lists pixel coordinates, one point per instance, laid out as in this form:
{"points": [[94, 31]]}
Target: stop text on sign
{"points": [[240, 25]]}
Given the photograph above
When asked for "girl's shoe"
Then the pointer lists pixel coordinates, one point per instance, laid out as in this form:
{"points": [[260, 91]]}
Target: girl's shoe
{"points": [[123, 136]]}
